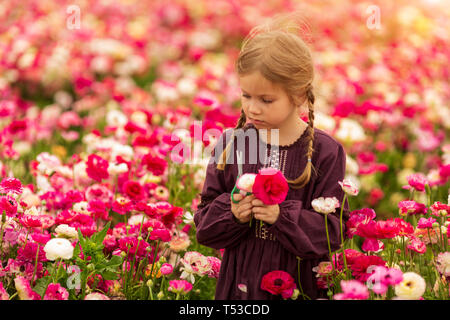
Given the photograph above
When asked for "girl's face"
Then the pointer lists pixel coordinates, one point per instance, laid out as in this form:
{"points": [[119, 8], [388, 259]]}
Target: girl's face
{"points": [[266, 104]]}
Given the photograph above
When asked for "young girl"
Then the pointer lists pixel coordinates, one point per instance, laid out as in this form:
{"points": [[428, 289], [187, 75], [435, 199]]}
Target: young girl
{"points": [[275, 72]]}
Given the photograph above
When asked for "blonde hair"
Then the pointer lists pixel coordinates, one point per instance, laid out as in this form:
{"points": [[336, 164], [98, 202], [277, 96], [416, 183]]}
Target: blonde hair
{"points": [[278, 52]]}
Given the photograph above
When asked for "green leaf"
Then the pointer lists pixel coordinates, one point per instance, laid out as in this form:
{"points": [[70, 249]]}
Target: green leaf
{"points": [[110, 275], [100, 236], [41, 285]]}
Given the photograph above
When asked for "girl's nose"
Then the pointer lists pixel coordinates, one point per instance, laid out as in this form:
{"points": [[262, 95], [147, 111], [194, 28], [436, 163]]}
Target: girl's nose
{"points": [[253, 108]]}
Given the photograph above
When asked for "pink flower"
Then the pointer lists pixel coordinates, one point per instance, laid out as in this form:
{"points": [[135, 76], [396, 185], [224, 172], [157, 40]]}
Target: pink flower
{"points": [[30, 221], [382, 277], [349, 187], [270, 186], [411, 208], [96, 296], [166, 269], [97, 168], [215, 266], [352, 290], [278, 282], [360, 265], [3, 294], [179, 286], [98, 209], [11, 185], [358, 217], [439, 209], [56, 292], [373, 245], [417, 181], [424, 223], [415, 244], [161, 234], [9, 204], [24, 289]]}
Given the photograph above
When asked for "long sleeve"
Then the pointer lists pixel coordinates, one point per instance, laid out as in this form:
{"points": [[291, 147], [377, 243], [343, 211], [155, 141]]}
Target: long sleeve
{"points": [[300, 229], [215, 223]]}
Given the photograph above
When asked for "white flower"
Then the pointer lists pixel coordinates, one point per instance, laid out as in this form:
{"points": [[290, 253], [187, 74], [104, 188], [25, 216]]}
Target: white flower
{"points": [[63, 230], [58, 248], [412, 287], [188, 218], [325, 205], [246, 181], [116, 169], [349, 187], [194, 263], [81, 207], [115, 118]]}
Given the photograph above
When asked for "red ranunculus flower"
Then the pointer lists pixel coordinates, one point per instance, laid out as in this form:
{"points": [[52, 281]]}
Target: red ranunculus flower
{"points": [[278, 282], [154, 164], [270, 186], [133, 190], [360, 265], [97, 167]]}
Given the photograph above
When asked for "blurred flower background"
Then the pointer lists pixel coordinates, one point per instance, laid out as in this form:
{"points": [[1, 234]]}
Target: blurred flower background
{"points": [[92, 94]]}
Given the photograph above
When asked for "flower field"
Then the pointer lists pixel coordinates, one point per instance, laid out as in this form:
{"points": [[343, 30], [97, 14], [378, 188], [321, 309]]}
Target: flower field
{"points": [[104, 106]]}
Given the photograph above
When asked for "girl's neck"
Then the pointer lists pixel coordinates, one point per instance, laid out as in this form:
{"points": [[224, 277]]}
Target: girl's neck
{"points": [[288, 133]]}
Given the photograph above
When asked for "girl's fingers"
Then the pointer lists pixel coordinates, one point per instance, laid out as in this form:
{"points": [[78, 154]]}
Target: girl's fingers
{"points": [[244, 207], [238, 197], [257, 202]]}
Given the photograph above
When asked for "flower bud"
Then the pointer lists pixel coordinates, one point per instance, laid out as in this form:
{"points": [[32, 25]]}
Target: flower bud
{"points": [[150, 283], [123, 254], [140, 238], [435, 225], [160, 295]]}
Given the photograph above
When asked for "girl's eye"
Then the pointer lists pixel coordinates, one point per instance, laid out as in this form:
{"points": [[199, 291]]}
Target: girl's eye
{"points": [[246, 96], [267, 101]]}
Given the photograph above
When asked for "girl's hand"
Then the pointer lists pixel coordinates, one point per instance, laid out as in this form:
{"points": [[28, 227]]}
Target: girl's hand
{"points": [[242, 211], [266, 213]]}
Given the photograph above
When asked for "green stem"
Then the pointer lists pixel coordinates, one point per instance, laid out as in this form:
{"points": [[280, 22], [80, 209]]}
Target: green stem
{"points": [[305, 297], [342, 233], [35, 264], [328, 241], [154, 258]]}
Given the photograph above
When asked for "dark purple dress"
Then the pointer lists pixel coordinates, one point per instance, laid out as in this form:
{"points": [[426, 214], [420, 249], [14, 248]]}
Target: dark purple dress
{"points": [[251, 252]]}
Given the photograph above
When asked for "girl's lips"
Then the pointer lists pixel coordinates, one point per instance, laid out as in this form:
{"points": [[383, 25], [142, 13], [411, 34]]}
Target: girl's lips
{"points": [[256, 121]]}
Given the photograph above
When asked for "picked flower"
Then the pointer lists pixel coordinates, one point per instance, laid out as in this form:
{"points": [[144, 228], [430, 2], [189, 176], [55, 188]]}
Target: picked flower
{"points": [[58, 248], [245, 183], [325, 205], [349, 187], [270, 186]]}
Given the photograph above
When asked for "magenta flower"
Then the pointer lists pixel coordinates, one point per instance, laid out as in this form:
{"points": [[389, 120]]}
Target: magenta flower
{"points": [[179, 286], [439, 209], [56, 292], [424, 223], [270, 186], [278, 282], [417, 181], [408, 207], [415, 244], [24, 290], [11, 185], [215, 267], [166, 269], [352, 290], [97, 168]]}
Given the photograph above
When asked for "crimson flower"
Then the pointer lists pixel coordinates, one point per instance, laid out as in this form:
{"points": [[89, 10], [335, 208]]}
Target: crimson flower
{"points": [[270, 186], [278, 282], [11, 185]]}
